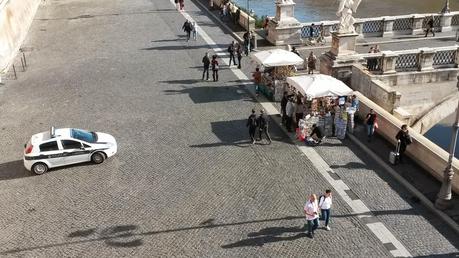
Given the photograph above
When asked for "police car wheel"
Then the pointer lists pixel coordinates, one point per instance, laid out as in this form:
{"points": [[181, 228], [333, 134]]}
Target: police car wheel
{"points": [[39, 168], [98, 157]]}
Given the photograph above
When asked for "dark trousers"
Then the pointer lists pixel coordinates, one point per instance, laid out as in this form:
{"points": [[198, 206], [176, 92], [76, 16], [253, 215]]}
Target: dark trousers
{"points": [[188, 35], [206, 71], [239, 57], [431, 31], [298, 117], [284, 115], [289, 123], [232, 57], [402, 152], [252, 131], [215, 75], [326, 215], [313, 225], [265, 131]]}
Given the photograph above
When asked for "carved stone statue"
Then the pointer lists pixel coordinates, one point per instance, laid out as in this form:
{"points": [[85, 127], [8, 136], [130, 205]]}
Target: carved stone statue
{"points": [[284, 1], [346, 20]]}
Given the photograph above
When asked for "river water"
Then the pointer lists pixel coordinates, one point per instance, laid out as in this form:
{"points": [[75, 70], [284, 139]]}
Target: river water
{"points": [[319, 10]]}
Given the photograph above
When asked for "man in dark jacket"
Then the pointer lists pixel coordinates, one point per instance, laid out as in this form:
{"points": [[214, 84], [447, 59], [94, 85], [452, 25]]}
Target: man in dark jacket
{"points": [[187, 27], [206, 63], [263, 126], [430, 27], [252, 125], [404, 138], [231, 49], [284, 102]]}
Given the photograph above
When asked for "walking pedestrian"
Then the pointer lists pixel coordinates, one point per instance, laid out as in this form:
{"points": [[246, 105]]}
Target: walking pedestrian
{"points": [[404, 139], [239, 55], [312, 60], [252, 125], [257, 80], [246, 38], [177, 6], [284, 102], [187, 28], [263, 126], [194, 30], [325, 203], [231, 50], [371, 61], [430, 26], [206, 63], [371, 123], [311, 210], [376, 65], [214, 64], [289, 109], [182, 4]]}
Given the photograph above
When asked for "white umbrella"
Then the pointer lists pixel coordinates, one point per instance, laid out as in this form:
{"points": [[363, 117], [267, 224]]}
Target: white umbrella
{"points": [[319, 85], [277, 57]]}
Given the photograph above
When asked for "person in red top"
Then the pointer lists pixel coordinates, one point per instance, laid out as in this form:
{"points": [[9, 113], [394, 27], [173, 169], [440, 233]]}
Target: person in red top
{"points": [[214, 64], [257, 80]]}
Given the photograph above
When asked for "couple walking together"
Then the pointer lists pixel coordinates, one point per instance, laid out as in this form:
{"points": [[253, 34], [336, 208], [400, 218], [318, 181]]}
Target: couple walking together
{"points": [[313, 209], [261, 122]]}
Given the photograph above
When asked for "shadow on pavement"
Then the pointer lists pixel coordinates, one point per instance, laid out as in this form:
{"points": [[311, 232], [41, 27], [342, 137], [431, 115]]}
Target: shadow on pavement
{"points": [[13, 169], [129, 235], [269, 235], [205, 94], [350, 165]]}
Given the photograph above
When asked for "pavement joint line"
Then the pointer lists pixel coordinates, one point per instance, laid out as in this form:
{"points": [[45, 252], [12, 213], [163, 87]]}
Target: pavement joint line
{"points": [[426, 202], [378, 229]]}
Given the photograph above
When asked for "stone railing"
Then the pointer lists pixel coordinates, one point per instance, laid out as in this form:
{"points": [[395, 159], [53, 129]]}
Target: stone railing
{"points": [[232, 8], [387, 26], [422, 59], [424, 152]]}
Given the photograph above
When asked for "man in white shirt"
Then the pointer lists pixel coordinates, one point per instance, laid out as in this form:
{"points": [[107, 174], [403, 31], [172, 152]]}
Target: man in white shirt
{"points": [[311, 210], [325, 203]]}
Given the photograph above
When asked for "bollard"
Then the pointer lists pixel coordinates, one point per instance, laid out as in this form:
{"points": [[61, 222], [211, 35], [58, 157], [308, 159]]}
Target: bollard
{"points": [[25, 61], [22, 63], [14, 71]]}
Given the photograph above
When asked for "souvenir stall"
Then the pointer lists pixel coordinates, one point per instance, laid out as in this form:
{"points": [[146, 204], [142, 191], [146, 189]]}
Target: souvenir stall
{"points": [[278, 64], [327, 101]]}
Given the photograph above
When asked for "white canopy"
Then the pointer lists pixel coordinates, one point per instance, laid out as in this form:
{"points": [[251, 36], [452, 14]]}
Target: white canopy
{"points": [[277, 57], [319, 85]]}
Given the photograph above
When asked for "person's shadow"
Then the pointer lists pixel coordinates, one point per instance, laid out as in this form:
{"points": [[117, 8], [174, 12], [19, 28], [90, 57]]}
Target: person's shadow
{"points": [[269, 235]]}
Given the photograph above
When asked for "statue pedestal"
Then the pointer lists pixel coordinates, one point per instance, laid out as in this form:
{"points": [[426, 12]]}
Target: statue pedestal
{"points": [[284, 28], [338, 61], [343, 44]]}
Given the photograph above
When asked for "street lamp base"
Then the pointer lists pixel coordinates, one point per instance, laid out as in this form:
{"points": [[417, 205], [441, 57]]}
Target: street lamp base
{"points": [[442, 204]]}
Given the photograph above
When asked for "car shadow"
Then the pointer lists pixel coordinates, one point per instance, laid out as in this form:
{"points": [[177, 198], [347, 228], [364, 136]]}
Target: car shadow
{"points": [[13, 169]]}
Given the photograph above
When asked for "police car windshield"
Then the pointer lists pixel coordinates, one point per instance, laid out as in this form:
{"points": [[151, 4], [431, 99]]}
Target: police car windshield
{"points": [[83, 135]]}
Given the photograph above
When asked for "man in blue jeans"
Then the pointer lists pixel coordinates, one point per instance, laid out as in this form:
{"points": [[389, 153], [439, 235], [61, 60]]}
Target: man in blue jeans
{"points": [[325, 202]]}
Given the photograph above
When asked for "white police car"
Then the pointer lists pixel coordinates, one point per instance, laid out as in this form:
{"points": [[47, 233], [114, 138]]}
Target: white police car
{"points": [[60, 147]]}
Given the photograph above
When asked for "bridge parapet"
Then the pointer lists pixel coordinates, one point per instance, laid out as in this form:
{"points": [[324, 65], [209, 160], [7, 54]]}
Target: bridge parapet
{"points": [[421, 59], [386, 26]]}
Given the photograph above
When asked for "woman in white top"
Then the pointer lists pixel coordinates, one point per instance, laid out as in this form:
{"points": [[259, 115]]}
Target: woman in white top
{"points": [[311, 210], [325, 203]]}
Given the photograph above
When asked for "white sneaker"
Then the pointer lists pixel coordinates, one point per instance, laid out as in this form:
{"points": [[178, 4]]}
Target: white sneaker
{"points": [[328, 228]]}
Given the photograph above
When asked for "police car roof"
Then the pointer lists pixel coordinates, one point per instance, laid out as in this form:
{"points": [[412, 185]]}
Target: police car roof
{"points": [[45, 136]]}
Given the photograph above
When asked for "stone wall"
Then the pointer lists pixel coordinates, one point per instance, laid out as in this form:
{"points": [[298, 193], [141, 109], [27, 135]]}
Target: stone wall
{"points": [[242, 18], [427, 154], [15, 19]]}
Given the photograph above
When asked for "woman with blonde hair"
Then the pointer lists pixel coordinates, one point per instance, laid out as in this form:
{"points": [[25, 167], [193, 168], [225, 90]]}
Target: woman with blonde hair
{"points": [[311, 210]]}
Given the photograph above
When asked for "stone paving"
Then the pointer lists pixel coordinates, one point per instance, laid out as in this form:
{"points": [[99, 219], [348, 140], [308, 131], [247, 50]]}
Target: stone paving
{"points": [[185, 181]]}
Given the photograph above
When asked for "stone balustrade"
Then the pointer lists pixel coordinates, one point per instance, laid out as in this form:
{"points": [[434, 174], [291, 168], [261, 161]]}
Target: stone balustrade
{"points": [[387, 26], [422, 59]]}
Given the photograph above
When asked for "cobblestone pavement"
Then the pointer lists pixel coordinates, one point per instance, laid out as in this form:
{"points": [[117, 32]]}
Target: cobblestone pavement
{"points": [[185, 181]]}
